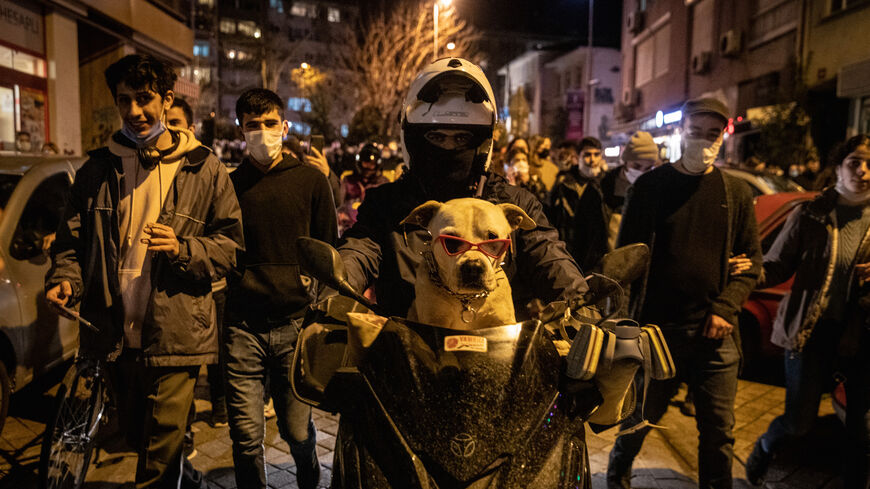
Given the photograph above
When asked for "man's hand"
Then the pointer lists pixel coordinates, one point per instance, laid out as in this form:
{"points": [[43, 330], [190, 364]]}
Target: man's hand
{"points": [[58, 296], [739, 264], [317, 160], [717, 328], [162, 239], [863, 271]]}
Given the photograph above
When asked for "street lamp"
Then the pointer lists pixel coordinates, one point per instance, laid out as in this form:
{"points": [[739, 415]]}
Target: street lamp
{"points": [[304, 66], [445, 4], [451, 46]]}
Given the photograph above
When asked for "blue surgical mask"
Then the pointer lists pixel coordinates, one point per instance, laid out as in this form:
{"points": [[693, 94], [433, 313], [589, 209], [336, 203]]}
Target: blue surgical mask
{"points": [[149, 139]]}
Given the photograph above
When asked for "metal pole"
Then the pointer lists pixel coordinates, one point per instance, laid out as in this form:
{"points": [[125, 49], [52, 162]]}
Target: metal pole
{"points": [[435, 41], [587, 102]]}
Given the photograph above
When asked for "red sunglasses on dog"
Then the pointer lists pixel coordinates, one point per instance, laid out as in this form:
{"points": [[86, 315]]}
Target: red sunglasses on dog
{"points": [[454, 245]]}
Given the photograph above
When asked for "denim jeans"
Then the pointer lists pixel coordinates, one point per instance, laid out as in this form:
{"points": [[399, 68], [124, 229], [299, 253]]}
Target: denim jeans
{"points": [[809, 374], [253, 351], [710, 368]]}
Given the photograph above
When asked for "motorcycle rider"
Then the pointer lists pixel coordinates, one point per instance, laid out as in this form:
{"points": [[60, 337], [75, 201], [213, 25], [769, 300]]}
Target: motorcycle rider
{"points": [[447, 122], [368, 173]]}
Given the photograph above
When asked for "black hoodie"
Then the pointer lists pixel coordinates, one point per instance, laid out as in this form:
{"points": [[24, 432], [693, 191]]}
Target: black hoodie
{"points": [[288, 201]]}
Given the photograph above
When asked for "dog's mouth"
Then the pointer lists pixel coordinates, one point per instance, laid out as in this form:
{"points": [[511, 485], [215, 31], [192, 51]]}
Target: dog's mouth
{"points": [[473, 277]]}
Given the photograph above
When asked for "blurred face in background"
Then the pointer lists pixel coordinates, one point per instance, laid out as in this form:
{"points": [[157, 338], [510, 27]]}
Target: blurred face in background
{"points": [[567, 157], [520, 168]]}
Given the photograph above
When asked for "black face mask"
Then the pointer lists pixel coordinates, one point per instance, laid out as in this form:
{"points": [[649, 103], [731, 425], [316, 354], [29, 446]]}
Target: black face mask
{"points": [[543, 153], [446, 174]]}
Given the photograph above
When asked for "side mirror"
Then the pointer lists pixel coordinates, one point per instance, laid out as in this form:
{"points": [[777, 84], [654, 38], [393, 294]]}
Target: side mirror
{"points": [[323, 262], [26, 245], [626, 264]]}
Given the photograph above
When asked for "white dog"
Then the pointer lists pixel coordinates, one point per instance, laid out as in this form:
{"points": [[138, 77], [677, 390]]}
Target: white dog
{"points": [[460, 283]]}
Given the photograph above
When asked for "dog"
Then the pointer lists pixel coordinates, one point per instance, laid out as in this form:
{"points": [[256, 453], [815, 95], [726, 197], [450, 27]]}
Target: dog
{"points": [[460, 283]]}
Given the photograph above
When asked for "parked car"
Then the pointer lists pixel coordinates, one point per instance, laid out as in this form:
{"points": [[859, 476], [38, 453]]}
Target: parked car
{"points": [[763, 183], [756, 318], [33, 339]]}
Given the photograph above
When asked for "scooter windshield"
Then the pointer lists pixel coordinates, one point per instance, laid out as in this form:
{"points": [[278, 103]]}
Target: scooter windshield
{"points": [[464, 399]]}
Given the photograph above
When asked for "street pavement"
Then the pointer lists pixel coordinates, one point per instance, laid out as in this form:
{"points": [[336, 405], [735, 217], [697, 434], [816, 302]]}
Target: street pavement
{"points": [[668, 458]]}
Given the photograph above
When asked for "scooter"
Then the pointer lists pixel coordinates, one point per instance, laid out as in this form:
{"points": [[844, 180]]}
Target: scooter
{"points": [[426, 407]]}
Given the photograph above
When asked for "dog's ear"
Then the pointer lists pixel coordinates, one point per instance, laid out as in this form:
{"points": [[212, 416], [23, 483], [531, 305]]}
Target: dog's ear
{"points": [[517, 217], [423, 214]]}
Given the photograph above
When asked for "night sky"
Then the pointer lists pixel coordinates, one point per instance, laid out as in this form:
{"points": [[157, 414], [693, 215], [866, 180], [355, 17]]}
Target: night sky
{"points": [[556, 18]]}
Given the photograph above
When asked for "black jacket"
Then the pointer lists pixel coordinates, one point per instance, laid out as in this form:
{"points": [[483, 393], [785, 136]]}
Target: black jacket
{"points": [[639, 225], [577, 210], [179, 324], [374, 252]]}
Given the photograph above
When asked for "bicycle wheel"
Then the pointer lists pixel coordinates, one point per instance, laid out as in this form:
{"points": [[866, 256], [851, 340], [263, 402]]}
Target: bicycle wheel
{"points": [[69, 439]]}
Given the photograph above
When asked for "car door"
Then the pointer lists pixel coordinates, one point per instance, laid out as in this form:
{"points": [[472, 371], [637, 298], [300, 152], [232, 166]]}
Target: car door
{"points": [[41, 339]]}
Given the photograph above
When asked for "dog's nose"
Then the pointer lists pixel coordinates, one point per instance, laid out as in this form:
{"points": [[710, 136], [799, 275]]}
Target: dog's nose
{"points": [[472, 272]]}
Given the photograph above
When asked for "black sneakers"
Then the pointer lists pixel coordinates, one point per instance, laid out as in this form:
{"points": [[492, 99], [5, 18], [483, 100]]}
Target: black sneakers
{"points": [[757, 463]]}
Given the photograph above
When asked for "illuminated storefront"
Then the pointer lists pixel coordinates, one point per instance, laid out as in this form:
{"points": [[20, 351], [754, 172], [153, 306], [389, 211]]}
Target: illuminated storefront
{"points": [[23, 73]]}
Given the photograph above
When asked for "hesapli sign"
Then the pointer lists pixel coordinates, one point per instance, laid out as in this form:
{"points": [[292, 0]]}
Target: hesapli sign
{"points": [[22, 25]]}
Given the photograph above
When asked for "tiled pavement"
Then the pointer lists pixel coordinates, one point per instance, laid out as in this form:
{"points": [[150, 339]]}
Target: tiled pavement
{"points": [[668, 459]]}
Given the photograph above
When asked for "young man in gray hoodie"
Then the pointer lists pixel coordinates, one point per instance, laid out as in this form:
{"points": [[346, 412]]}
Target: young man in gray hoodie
{"points": [[151, 222]]}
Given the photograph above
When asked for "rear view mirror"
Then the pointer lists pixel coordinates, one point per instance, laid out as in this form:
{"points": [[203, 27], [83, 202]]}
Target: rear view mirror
{"points": [[627, 263], [323, 262]]}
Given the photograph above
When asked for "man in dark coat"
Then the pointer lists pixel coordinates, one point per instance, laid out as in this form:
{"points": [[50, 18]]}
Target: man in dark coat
{"points": [[693, 217]]}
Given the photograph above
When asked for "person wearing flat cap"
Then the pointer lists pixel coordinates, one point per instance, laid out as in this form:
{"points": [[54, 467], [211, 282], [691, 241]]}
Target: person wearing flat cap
{"points": [[693, 217], [639, 156]]}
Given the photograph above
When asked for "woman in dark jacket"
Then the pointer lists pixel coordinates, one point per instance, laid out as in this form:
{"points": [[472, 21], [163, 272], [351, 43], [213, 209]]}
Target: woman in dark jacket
{"points": [[823, 322]]}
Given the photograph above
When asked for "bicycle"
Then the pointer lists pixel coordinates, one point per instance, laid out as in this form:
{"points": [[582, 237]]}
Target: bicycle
{"points": [[69, 441]]}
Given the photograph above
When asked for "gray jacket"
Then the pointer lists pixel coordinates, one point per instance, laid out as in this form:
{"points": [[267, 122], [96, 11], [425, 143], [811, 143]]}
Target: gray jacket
{"points": [[806, 248], [179, 324]]}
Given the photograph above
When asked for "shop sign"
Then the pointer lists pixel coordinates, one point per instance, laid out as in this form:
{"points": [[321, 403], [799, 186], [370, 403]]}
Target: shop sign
{"points": [[22, 26]]}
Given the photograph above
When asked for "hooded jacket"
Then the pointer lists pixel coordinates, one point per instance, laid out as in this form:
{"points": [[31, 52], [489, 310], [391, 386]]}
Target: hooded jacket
{"points": [[177, 312], [807, 247], [374, 249]]}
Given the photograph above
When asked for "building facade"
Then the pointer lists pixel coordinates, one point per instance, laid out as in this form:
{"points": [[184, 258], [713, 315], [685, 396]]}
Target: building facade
{"points": [[242, 44], [545, 91], [744, 52], [52, 57]]}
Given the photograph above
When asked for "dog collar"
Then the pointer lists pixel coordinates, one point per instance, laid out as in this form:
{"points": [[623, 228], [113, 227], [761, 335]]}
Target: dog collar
{"points": [[468, 313]]}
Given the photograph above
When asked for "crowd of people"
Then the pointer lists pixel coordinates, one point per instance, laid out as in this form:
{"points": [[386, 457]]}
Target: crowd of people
{"points": [[157, 236]]}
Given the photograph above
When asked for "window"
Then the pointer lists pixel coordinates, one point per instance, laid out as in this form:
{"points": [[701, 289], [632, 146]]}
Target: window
{"points": [[773, 19], [651, 56], [206, 3], [662, 49], [40, 217], [201, 49], [277, 5], [228, 26], [202, 75], [249, 28], [299, 104], [840, 5], [304, 9], [333, 14]]}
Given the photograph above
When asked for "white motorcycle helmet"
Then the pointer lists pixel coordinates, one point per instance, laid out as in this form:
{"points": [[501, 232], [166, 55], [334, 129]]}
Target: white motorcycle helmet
{"points": [[449, 95]]}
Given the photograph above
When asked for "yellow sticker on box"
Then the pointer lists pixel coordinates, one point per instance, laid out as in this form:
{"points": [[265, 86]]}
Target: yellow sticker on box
{"points": [[465, 343]]}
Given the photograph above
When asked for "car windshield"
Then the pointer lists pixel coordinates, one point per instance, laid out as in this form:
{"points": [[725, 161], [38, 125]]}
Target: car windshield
{"points": [[779, 183], [7, 186]]}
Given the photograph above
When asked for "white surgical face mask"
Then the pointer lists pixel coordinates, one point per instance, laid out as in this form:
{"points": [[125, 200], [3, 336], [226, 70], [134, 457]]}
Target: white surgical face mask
{"points": [[632, 174], [699, 154], [264, 146]]}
